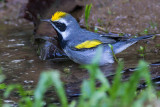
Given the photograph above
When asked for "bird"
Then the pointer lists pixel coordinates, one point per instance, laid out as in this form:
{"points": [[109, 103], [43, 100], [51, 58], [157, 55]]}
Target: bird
{"points": [[80, 45]]}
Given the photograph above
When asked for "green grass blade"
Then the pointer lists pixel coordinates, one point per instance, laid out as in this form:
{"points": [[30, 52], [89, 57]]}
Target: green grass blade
{"points": [[12, 87], [48, 79], [116, 86], [59, 88], [105, 86], [43, 84], [87, 14], [131, 86]]}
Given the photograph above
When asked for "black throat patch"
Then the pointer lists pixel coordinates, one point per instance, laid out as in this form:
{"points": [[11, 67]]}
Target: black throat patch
{"points": [[63, 42]]}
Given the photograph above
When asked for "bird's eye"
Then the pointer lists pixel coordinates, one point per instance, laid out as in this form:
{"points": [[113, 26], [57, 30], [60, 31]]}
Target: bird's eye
{"points": [[61, 26]]}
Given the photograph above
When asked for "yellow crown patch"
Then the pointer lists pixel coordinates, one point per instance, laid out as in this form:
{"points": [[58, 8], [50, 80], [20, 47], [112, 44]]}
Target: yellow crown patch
{"points": [[58, 15]]}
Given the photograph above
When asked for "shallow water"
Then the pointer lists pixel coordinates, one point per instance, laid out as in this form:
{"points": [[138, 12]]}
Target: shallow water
{"points": [[21, 64]]}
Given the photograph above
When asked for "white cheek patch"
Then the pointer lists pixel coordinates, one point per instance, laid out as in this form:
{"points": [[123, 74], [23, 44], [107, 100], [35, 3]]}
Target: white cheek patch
{"points": [[65, 34]]}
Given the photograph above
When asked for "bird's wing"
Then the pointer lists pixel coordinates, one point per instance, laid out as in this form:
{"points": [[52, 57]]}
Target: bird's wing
{"points": [[88, 44], [116, 37], [92, 40]]}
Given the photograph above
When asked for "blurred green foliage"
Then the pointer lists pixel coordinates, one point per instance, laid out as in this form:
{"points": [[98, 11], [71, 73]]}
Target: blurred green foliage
{"points": [[117, 94]]}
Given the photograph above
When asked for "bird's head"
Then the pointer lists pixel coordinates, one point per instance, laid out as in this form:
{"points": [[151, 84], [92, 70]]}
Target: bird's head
{"points": [[63, 23]]}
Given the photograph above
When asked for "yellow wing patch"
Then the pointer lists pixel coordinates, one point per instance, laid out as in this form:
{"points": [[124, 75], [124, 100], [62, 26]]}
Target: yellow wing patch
{"points": [[88, 44], [58, 15]]}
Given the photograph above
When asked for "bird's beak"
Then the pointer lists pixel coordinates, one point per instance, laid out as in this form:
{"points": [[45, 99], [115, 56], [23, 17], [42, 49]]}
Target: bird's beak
{"points": [[46, 20]]}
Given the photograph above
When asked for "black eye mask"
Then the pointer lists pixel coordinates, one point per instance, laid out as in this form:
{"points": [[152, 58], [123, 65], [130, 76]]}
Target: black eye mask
{"points": [[61, 26]]}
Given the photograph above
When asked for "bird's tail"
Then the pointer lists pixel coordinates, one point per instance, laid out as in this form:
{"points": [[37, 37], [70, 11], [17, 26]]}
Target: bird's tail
{"points": [[141, 37], [122, 45]]}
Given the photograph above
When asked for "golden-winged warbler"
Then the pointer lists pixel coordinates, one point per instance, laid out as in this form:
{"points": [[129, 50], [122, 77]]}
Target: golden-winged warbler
{"points": [[80, 44]]}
